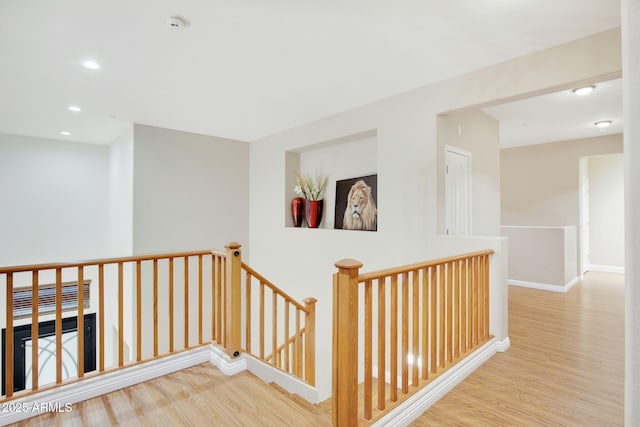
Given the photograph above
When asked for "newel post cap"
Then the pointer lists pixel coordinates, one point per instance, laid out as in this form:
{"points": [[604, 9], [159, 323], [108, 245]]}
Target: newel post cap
{"points": [[310, 300], [348, 264], [233, 245]]}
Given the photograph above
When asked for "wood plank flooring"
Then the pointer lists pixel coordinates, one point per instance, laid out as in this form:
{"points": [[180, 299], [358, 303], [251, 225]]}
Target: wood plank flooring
{"points": [[197, 396], [565, 367]]}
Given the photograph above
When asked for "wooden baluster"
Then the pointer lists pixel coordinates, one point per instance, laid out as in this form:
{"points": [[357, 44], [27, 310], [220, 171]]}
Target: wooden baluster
{"points": [[233, 308], [155, 308], [433, 286], [261, 320], [219, 301], [200, 341], [393, 340], [310, 341], [248, 302], [58, 326], [171, 305], [285, 348], [456, 309], [449, 287], [274, 326], [213, 297], [381, 343], [480, 299], [34, 330], [138, 311], [463, 305], [298, 346], [120, 315], [425, 323], [186, 302], [368, 350], [443, 311], [476, 266], [345, 343], [8, 354], [405, 333], [415, 328], [101, 313], [80, 322], [486, 296]]}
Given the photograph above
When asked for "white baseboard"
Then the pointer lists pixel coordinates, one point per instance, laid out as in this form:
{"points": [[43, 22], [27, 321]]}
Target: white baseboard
{"points": [[413, 407], [545, 286], [222, 361], [604, 268], [504, 345], [269, 374]]}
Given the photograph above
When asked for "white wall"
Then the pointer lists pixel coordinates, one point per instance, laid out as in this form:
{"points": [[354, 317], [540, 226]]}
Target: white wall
{"points": [[542, 257], [606, 210], [53, 200], [301, 260], [190, 191], [540, 184], [120, 196], [631, 99], [477, 133]]}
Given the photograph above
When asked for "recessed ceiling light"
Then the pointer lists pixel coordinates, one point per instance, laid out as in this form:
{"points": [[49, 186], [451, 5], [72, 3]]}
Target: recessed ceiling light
{"points": [[74, 108], [65, 133], [91, 64], [584, 90], [603, 123]]}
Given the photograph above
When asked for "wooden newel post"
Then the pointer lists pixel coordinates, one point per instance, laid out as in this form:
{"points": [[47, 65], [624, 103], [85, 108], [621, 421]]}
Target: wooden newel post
{"points": [[344, 406], [233, 322], [310, 341]]}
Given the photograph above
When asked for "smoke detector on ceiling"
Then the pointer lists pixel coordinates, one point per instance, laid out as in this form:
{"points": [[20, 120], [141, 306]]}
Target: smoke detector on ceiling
{"points": [[176, 22]]}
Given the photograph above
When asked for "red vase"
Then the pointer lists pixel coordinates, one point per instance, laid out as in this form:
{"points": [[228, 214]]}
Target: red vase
{"points": [[297, 211], [313, 212]]}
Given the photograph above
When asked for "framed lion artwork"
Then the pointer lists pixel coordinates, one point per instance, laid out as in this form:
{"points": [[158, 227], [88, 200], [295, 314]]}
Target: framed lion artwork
{"points": [[356, 203]]}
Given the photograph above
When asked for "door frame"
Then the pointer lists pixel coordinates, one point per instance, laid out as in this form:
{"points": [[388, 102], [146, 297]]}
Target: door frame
{"points": [[459, 151]]}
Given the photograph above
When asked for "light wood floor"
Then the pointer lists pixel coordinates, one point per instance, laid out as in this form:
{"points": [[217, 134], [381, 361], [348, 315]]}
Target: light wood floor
{"points": [[565, 367]]}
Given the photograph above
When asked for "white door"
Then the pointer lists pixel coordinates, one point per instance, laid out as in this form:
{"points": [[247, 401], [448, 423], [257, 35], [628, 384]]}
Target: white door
{"points": [[457, 191]]}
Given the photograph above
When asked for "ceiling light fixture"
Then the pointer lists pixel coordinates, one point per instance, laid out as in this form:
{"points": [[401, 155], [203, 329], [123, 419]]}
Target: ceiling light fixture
{"points": [[65, 133], [74, 108], [91, 64], [603, 124], [584, 90]]}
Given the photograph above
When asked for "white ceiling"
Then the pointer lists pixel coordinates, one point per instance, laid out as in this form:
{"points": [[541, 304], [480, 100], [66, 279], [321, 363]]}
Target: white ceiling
{"points": [[559, 116], [245, 69]]}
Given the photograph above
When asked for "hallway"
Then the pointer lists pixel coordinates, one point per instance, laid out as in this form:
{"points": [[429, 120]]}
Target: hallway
{"points": [[565, 366]]}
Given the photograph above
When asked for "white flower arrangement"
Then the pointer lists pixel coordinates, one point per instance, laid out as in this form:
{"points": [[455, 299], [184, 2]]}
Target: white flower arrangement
{"points": [[311, 188]]}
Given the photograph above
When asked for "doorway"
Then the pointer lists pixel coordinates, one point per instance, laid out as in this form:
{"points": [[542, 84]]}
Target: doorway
{"points": [[457, 191]]}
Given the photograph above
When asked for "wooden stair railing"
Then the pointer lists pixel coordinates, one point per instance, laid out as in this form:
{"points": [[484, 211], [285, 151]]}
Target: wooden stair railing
{"points": [[419, 321], [280, 318], [149, 307]]}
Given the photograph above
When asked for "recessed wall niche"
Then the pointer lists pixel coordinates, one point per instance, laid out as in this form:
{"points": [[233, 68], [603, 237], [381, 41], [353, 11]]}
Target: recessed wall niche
{"points": [[346, 157]]}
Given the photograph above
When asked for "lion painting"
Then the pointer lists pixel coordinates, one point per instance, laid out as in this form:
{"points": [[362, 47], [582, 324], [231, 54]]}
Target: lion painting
{"points": [[361, 212]]}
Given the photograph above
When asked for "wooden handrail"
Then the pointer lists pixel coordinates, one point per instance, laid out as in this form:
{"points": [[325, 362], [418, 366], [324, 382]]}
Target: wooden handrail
{"points": [[273, 287], [104, 261], [430, 316], [378, 274]]}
